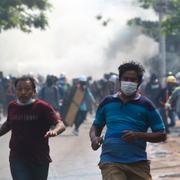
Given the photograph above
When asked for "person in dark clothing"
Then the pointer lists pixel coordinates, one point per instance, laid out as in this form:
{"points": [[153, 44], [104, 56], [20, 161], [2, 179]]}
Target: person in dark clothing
{"points": [[50, 93], [31, 122], [87, 100], [162, 98], [153, 89]]}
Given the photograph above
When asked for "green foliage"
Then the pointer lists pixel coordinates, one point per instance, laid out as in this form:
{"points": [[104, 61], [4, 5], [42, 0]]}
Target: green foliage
{"points": [[171, 9], [149, 28], [171, 24], [145, 3], [23, 14]]}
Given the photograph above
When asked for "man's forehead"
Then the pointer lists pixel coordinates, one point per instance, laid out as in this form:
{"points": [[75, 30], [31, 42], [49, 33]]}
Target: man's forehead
{"points": [[130, 73]]}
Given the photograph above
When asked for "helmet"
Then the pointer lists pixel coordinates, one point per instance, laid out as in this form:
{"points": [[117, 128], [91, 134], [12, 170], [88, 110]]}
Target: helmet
{"points": [[178, 75], [171, 79], [83, 78], [113, 78], [62, 75]]}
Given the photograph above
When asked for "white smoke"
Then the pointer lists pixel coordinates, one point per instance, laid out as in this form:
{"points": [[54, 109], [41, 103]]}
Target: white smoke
{"points": [[132, 46], [76, 42]]}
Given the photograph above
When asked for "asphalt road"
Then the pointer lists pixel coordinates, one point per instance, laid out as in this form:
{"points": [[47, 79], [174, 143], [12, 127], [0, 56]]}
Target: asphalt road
{"points": [[73, 158]]}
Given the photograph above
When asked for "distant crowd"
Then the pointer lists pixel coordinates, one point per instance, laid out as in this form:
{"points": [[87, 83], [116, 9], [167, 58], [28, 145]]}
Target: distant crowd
{"points": [[58, 92], [43, 108]]}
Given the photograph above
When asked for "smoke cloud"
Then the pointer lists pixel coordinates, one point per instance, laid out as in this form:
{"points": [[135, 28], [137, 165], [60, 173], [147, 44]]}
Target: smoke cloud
{"points": [[76, 42]]}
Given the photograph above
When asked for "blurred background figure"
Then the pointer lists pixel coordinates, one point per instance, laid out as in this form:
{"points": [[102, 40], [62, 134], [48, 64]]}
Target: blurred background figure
{"points": [[173, 102], [153, 88], [64, 91], [162, 98], [178, 77], [86, 104], [9, 91], [113, 83], [49, 92]]}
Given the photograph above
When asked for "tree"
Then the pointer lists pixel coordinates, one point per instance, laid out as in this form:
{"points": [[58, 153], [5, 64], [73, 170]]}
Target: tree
{"points": [[171, 22], [149, 28], [168, 25], [23, 14]]}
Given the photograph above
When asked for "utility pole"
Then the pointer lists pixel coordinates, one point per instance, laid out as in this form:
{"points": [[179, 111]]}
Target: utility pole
{"points": [[160, 7]]}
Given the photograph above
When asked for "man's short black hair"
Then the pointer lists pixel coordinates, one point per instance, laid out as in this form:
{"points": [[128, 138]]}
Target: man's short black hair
{"points": [[129, 66], [26, 78]]}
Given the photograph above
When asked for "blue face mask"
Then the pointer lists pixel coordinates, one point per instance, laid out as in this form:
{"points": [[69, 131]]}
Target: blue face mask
{"points": [[129, 88]]}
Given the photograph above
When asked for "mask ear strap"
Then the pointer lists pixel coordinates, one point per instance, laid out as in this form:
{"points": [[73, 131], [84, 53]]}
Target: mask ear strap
{"points": [[140, 83]]}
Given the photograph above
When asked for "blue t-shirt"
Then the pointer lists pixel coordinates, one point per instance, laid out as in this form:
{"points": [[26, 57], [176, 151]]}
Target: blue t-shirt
{"points": [[137, 115]]}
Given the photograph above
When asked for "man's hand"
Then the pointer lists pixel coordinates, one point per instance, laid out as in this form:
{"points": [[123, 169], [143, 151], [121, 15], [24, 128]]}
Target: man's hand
{"points": [[51, 133], [58, 129], [129, 136], [96, 142]]}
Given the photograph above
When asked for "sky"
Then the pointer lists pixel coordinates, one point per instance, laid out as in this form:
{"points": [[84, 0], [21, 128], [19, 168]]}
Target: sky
{"points": [[76, 43]]}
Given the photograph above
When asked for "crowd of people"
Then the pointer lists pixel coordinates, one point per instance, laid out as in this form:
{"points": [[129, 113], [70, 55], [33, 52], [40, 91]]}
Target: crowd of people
{"points": [[133, 110], [166, 98], [59, 91]]}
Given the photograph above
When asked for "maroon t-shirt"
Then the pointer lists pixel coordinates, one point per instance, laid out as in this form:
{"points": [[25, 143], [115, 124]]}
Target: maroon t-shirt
{"points": [[28, 125]]}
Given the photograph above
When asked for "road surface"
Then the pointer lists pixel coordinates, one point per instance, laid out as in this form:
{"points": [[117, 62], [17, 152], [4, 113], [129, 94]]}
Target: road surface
{"points": [[73, 158]]}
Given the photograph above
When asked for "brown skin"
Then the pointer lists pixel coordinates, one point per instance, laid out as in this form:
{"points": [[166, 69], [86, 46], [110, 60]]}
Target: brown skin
{"points": [[24, 92], [129, 136], [58, 129], [95, 134]]}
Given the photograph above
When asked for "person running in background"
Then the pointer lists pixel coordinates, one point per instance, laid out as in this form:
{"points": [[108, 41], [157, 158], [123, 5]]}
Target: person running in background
{"points": [[64, 89], [49, 92], [127, 116], [153, 88], [162, 98], [174, 101], [85, 106], [31, 122]]}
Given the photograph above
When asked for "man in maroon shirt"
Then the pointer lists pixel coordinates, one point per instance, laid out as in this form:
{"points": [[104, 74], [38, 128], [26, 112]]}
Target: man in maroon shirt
{"points": [[31, 122]]}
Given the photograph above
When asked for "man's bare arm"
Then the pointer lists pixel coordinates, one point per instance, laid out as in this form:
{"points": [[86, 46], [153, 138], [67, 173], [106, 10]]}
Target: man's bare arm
{"points": [[95, 134], [57, 129], [4, 128], [153, 137]]}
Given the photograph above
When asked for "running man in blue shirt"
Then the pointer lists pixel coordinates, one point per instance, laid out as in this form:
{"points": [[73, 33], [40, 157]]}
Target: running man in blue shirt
{"points": [[127, 116]]}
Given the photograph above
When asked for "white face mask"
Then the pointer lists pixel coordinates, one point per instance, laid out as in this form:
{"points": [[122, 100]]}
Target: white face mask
{"points": [[128, 88], [30, 101]]}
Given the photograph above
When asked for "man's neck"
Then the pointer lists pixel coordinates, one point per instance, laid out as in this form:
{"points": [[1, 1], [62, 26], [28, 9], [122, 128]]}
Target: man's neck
{"points": [[125, 98]]}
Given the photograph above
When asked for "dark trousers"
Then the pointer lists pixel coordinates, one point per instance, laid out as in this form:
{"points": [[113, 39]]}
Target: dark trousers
{"points": [[81, 116], [25, 170]]}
